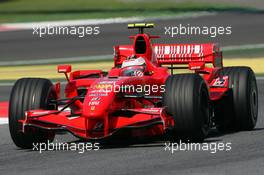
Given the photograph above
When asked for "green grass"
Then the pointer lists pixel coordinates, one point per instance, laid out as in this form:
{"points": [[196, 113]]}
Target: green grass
{"points": [[45, 10]]}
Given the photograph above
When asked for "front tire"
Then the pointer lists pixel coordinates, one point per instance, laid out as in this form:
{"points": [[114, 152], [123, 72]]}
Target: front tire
{"points": [[28, 94], [186, 99]]}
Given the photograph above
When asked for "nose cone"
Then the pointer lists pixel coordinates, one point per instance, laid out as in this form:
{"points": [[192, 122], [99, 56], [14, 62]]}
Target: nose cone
{"points": [[98, 100], [96, 106]]}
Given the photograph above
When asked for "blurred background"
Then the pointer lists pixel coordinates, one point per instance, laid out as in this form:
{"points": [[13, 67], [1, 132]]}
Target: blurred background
{"points": [[24, 54]]}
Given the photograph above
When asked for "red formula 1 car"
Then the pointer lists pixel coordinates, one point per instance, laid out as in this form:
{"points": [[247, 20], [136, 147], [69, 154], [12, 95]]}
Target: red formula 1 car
{"points": [[141, 94]]}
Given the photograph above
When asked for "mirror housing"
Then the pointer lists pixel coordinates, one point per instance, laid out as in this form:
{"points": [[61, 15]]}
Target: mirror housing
{"points": [[65, 68]]}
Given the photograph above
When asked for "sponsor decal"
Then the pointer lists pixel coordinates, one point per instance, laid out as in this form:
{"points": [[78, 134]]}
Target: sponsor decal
{"points": [[92, 108], [220, 82], [107, 82], [94, 94], [103, 86], [95, 99], [94, 103]]}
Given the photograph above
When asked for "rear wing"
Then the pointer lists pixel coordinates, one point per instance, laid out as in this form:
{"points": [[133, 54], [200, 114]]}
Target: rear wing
{"points": [[188, 54]]}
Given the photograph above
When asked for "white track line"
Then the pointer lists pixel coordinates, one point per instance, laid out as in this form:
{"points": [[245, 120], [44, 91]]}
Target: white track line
{"points": [[260, 78], [56, 60], [3, 121], [7, 84], [244, 47], [63, 82], [31, 25]]}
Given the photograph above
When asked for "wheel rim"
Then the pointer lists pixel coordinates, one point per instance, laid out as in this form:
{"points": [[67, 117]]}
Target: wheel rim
{"points": [[205, 110], [254, 102]]}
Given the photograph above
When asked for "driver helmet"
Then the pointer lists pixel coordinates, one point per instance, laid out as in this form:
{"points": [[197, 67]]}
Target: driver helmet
{"points": [[133, 67]]}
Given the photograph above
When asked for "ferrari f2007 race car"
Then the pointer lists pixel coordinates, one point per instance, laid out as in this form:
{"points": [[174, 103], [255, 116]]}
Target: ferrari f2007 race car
{"points": [[140, 94]]}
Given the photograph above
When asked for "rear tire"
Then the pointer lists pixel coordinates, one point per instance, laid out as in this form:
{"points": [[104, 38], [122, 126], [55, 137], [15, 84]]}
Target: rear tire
{"points": [[186, 99], [239, 109], [28, 94]]}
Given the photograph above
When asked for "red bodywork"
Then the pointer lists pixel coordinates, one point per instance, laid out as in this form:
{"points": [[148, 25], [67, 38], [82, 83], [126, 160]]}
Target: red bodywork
{"points": [[101, 112]]}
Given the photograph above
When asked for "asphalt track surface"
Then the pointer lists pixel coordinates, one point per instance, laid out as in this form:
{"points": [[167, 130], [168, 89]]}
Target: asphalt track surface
{"points": [[23, 45], [246, 156]]}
